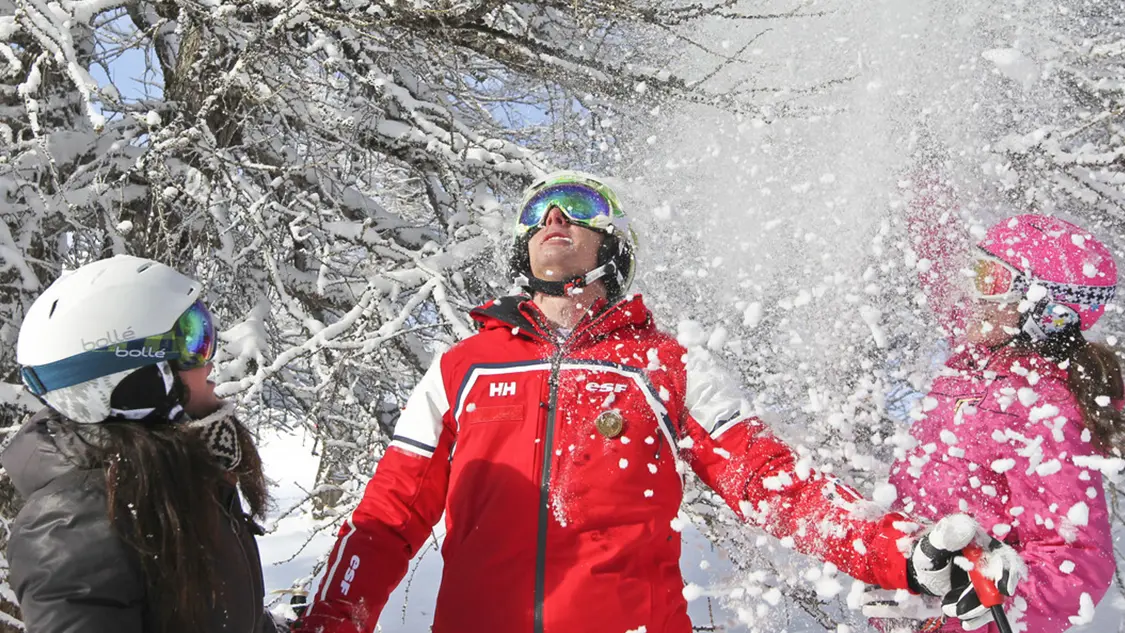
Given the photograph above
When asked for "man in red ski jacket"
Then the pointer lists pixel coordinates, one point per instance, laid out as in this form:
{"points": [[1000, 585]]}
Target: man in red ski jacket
{"points": [[555, 441]]}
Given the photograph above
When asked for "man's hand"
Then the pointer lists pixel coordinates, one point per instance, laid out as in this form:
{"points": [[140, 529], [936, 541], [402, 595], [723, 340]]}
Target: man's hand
{"points": [[936, 567]]}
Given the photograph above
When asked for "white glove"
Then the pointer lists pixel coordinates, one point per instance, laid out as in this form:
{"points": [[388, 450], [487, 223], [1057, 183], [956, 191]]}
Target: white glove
{"points": [[936, 567]]}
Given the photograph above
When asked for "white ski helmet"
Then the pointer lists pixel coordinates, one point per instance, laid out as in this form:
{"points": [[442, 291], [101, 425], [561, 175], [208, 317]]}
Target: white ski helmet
{"points": [[100, 307]]}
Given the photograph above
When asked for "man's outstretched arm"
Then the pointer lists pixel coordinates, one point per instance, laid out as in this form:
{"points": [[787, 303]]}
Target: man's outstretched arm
{"points": [[761, 479], [399, 508]]}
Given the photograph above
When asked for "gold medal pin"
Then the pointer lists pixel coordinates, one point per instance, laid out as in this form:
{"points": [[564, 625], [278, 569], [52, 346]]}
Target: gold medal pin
{"points": [[609, 424]]}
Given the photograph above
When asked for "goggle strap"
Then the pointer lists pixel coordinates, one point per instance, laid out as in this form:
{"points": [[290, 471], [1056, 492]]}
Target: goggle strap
{"points": [[32, 381], [1078, 293], [1066, 293], [41, 379]]}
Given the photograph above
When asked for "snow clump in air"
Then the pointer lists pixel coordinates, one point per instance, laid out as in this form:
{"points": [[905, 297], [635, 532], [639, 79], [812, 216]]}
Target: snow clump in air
{"points": [[953, 532]]}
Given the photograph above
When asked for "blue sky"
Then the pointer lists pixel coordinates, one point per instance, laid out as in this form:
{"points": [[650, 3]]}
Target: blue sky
{"points": [[127, 70]]}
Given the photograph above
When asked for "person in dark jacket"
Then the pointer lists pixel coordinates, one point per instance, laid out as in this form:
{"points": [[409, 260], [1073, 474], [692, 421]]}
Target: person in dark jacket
{"points": [[133, 521]]}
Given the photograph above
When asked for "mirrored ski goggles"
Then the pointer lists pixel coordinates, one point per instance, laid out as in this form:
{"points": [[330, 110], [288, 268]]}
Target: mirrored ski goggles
{"points": [[581, 204], [996, 280], [189, 344], [194, 336]]}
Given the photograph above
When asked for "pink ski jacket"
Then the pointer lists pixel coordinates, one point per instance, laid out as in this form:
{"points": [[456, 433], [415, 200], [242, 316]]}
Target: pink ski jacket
{"points": [[1002, 438]]}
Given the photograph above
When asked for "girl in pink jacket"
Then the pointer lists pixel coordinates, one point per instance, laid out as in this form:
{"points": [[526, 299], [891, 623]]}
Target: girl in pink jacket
{"points": [[1024, 412]]}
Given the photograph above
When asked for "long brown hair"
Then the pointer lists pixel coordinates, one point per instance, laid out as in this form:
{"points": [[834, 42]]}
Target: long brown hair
{"points": [[1094, 372], [163, 491]]}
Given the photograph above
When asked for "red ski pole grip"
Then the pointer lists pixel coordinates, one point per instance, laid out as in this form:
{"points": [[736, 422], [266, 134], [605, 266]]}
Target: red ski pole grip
{"points": [[986, 590]]}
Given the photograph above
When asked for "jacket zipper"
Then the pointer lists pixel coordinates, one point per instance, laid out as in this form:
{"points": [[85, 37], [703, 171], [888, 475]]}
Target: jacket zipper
{"points": [[545, 490], [548, 455]]}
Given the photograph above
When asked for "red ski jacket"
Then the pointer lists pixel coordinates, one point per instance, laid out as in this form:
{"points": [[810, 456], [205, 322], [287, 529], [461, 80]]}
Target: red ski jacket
{"points": [[558, 464]]}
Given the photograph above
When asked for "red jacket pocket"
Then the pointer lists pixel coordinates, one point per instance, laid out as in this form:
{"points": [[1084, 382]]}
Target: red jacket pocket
{"points": [[501, 413]]}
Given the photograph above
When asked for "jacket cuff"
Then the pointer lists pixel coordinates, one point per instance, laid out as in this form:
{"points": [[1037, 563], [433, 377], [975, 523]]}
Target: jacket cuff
{"points": [[888, 564]]}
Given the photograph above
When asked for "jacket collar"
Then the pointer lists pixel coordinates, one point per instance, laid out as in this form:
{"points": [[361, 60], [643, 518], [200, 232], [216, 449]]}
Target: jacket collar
{"points": [[520, 313]]}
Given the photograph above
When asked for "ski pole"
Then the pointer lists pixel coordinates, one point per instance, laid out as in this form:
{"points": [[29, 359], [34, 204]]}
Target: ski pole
{"points": [[986, 590]]}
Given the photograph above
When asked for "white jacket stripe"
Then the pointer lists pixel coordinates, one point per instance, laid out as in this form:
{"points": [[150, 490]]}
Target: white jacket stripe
{"points": [[419, 426], [713, 399]]}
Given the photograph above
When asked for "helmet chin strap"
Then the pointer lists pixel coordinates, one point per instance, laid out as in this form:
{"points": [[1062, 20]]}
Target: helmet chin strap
{"points": [[568, 287]]}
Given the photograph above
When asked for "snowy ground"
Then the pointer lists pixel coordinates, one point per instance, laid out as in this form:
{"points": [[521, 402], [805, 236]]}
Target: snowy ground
{"points": [[289, 463]]}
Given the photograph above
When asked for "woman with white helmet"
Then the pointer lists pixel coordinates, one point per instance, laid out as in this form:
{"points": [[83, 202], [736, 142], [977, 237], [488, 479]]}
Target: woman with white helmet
{"points": [[133, 521]]}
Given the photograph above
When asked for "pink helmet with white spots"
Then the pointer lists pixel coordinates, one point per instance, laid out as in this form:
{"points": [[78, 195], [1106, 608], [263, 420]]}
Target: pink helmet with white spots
{"points": [[1076, 269]]}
